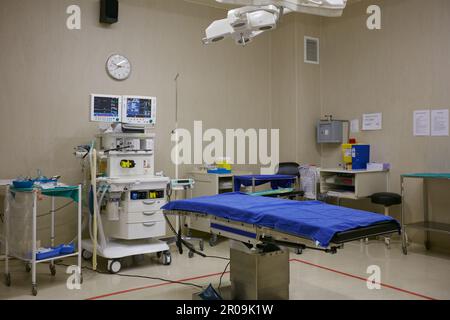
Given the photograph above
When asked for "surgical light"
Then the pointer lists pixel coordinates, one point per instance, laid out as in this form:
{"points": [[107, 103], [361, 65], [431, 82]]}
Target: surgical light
{"points": [[243, 24], [258, 16]]}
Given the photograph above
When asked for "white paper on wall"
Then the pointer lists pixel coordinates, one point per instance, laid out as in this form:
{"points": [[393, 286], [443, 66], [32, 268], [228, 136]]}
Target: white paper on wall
{"points": [[354, 126], [439, 123], [372, 121], [421, 123]]}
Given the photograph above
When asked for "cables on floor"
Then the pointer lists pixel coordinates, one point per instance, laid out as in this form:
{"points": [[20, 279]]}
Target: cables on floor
{"points": [[139, 277], [221, 277], [188, 245]]}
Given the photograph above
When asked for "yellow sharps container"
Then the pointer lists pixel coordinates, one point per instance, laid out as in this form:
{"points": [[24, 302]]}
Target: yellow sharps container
{"points": [[347, 154]]}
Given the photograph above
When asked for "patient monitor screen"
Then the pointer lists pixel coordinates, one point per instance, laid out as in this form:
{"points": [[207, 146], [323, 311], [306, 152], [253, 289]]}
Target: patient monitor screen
{"points": [[105, 108], [139, 110]]}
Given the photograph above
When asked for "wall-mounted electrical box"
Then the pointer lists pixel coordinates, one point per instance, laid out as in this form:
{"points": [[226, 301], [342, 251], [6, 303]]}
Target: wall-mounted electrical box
{"points": [[330, 131]]}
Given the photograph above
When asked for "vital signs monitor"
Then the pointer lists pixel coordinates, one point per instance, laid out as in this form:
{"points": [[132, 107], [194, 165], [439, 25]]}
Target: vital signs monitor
{"points": [[106, 108], [139, 110]]}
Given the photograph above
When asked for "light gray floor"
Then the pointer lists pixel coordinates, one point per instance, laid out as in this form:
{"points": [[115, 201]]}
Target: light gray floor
{"points": [[314, 275]]}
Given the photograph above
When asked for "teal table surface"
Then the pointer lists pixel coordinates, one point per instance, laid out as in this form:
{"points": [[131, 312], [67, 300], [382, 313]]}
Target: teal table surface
{"points": [[427, 175], [70, 192]]}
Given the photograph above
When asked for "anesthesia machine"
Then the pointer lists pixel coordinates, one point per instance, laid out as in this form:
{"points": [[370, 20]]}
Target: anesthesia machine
{"points": [[125, 192]]}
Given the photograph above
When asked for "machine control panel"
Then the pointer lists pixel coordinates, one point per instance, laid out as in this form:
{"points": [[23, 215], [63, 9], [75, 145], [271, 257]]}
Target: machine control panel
{"points": [[147, 194]]}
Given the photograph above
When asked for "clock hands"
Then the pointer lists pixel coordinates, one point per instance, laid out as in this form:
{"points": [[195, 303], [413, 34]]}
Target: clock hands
{"points": [[119, 65]]}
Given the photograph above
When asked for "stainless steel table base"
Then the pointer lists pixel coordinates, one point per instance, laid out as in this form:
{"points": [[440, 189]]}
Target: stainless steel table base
{"points": [[256, 275]]}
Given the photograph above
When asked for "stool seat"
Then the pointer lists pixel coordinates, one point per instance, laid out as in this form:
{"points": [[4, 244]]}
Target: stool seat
{"points": [[386, 199]]}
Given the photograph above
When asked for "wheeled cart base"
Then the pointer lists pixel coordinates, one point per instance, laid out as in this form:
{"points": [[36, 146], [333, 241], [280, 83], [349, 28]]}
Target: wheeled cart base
{"points": [[115, 250]]}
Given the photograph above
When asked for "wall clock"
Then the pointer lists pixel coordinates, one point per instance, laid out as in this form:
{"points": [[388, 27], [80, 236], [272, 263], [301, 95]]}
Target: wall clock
{"points": [[118, 67]]}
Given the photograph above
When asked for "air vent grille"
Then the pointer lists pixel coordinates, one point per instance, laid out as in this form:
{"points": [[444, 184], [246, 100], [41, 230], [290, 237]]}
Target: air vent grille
{"points": [[312, 50]]}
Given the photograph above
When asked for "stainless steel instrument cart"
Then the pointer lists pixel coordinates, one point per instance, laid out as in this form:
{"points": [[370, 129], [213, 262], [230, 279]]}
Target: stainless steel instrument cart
{"points": [[23, 245]]}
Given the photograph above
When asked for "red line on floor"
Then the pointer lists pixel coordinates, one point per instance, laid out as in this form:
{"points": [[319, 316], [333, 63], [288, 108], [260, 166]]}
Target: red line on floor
{"points": [[291, 260], [363, 279], [155, 285]]}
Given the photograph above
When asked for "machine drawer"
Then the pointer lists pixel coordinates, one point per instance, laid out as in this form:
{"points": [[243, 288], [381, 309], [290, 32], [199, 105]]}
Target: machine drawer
{"points": [[143, 205], [134, 231], [143, 216], [146, 229]]}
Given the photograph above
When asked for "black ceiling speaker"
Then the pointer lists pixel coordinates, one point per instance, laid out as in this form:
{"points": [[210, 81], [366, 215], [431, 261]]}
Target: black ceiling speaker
{"points": [[109, 11]]}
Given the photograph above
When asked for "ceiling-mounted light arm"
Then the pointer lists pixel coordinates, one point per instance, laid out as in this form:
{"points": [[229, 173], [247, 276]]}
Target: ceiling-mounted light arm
{"points": [[253, 17], [243, 24], [327, 8], [244, 11]]}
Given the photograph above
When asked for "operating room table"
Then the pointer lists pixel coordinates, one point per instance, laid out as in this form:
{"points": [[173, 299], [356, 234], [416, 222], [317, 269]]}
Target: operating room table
{"points": [[262, 229]]}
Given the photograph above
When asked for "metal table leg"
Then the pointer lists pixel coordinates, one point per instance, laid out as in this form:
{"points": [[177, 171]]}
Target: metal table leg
{"points": [[404, 236], [7, 274], [426, 212], [52, 236], [80, 214], [33, 243]]}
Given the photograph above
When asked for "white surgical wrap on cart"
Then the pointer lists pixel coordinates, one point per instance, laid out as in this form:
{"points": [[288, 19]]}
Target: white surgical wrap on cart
{"points": [[19, 224]]}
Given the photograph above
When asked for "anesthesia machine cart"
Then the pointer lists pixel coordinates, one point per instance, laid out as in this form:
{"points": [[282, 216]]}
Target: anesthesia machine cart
{"points": [[125, 216]]}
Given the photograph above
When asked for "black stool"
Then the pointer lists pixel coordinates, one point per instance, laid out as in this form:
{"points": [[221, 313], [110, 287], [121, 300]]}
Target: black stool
{"points": [[387, 200]]}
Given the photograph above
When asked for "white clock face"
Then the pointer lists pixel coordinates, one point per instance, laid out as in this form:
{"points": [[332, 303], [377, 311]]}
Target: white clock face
{"points": [[118, 67]]}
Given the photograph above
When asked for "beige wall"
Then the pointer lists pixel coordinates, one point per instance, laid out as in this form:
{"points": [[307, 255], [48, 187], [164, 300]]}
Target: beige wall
{"points": [[399, 69], [295, 89], [48, 73]]}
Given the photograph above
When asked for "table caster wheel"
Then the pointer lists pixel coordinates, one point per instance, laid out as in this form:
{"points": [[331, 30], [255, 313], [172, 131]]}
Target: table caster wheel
{"points": [[191, 254], [202, 245], [52, 269], [405, 250], [86, 255], [167, 258], [28, 267], [427, 245], [8, 280], [114, 266], [299, 251], [34, 291]]}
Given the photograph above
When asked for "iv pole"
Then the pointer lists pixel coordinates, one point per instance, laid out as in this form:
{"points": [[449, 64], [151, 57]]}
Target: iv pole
{"points": [[180, 237]]}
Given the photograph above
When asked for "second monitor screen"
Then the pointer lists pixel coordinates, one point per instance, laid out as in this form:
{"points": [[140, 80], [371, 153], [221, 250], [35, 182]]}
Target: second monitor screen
{"points": [[139, 108]]}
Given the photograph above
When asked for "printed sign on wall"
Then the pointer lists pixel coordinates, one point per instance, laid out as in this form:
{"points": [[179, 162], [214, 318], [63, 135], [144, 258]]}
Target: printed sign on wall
{"points": [[372, 121], [421, 123], [439, 123]]}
